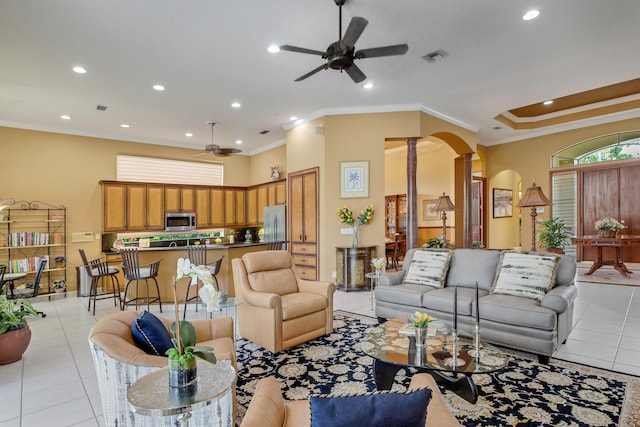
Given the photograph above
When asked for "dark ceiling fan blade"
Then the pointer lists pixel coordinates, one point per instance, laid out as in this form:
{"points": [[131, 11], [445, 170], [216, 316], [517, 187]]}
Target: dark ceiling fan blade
{"points": [[227, 151], [301, 50], [396, 49], [354, 31], [355, 73], [312, 72]]}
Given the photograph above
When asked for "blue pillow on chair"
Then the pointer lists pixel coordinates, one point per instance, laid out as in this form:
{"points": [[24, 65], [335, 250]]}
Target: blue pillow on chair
{"points": [[150, 334], [377, 409]]}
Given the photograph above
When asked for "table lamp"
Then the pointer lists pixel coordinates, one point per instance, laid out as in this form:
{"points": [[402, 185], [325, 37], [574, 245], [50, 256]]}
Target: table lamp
{"points": [[444, 205], [533, 197]]}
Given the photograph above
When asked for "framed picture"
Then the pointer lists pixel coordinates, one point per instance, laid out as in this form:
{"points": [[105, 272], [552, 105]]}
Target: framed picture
{"points": [[428, 210], [502, 203], [354, 179]]}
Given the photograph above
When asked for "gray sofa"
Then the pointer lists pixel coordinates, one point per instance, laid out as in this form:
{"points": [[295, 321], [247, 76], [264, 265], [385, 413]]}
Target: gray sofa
{"points": [[534, 326]]}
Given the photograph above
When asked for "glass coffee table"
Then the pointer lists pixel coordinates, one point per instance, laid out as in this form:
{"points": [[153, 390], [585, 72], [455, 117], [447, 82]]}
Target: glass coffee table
{"points": [[393, 347]]}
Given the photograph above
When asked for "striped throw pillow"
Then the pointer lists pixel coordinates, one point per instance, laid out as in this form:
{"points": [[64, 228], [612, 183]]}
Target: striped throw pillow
{"points": [[429, 267], [525, 275]]}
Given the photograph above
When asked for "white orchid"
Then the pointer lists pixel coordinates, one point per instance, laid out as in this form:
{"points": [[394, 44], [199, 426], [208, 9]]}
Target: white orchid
{"points": [[209, 296]]}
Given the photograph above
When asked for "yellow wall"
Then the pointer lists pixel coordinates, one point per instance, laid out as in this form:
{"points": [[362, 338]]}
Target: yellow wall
{"points": [[262, 163]]}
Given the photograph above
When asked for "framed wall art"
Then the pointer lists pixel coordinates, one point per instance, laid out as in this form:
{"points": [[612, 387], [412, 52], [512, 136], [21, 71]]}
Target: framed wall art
{"points": [[354, 179], [428, 210], [502, 203]]}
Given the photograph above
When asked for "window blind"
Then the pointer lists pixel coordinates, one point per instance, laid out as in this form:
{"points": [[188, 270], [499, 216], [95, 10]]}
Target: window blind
{"points": [[149, 169], [564, 197]]}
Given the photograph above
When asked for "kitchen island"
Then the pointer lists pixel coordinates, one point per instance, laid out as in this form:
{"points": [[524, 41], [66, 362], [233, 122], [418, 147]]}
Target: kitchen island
{"points": [[168, 265]]}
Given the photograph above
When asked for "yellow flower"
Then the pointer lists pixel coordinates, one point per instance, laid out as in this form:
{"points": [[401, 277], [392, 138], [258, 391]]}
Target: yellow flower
{"points": [[421, 320]]}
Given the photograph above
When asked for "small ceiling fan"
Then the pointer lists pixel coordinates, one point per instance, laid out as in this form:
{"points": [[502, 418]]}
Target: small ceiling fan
{"points": [[341, 54], [215, 149]]}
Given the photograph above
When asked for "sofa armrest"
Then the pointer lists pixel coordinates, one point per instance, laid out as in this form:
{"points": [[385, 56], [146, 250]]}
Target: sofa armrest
{"points": [[210, 329], [559, 298], [438, 413], [326, 289], [267, 405], [391, 279], [262, 299]]}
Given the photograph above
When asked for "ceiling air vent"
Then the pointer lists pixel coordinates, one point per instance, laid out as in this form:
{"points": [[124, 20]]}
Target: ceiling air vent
{"points": [[264, 132], [435, 56], [101, 108]]}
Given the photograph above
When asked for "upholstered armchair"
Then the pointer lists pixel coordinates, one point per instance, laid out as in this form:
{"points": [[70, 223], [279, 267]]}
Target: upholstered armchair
{"points": [[280, 310], [119, 363], [269, 409]]}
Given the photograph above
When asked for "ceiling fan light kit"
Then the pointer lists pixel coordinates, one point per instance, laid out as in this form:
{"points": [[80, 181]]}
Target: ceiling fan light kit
{"points": [[341, 54]]}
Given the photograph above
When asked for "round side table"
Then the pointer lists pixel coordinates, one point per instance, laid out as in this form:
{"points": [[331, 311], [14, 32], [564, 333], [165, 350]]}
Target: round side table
{"points": [[373, 278]]}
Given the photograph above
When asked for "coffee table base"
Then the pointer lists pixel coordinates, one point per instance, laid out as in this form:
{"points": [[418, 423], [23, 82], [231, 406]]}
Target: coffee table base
{"points": [[384, 374]]}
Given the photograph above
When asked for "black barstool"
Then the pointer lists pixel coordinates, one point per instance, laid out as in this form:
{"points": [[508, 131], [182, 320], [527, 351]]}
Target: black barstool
{"points": [[134, 272], [198, 256], [97, 269]]}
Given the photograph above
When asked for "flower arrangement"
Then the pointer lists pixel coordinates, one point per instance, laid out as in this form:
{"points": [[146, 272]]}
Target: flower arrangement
{"points": [[59, 284], [184, 334], [365, 217], [378, 263], [608, 224], [421, 320]]}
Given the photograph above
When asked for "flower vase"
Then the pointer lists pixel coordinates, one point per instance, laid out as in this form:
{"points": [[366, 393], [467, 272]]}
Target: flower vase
{"points": [[355, 236], [607, 233], [421, 336], [183, 374]]}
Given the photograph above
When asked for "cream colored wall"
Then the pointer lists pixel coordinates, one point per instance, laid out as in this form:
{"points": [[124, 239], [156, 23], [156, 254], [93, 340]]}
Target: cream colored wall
{"points": [[262, 163], [66, 170], [505, 232]]}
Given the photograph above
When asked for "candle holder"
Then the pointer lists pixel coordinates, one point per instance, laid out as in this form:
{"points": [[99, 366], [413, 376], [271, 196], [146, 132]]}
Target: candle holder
{"points": [[454, 361], [475, 351]]}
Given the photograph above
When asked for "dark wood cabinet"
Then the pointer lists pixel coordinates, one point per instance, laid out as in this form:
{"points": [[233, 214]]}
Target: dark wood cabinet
{"points": [[352, 263]]}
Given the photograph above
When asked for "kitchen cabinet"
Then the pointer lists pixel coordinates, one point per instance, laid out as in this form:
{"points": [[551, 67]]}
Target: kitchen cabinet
{"points": [[281, 192], [136, 207], [131, 206], [202, 206], [114, 206], [262, 202], [216, 208], [252, 206], [179, 198], [303, 221], [155, 207], [234, 212]]}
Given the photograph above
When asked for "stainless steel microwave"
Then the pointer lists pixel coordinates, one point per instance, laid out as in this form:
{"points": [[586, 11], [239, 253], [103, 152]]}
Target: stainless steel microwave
{"points": [[180, 221]]}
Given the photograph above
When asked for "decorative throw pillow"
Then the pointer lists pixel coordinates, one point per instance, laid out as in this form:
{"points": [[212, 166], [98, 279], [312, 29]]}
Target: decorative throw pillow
{"points": [[376, 409], [525, 275], [150, 334], [428, 267]]}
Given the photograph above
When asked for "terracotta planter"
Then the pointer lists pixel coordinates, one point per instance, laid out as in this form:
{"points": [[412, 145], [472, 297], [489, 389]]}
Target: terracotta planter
{"points": [[13, 344]]}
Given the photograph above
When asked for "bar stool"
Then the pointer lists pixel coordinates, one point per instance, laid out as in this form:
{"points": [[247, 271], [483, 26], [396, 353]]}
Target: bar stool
{"points": [[97, 269], [275, 246], [133, 271], [198, 256]]}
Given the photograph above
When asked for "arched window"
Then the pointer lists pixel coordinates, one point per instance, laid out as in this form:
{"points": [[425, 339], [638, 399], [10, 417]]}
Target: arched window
{"points": [[618, 146]]}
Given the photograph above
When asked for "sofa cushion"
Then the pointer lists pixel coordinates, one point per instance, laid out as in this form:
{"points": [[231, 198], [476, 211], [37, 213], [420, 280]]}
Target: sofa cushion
{"points": [[516, 311], [300, 304], [377, 409], [404, 294], [525, 275], [442, 300], [150, 334], [428, 267], [469, 266], [281, 282]]}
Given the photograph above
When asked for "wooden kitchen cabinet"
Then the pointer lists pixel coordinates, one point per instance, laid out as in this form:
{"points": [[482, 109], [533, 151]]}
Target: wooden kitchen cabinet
{"points": [[114, 196], [262, 202], [136, 207], [252, 206], [202, 206], [281, 192], [303, 221], [155, 207], [216, 208], [179, 198], [235, 207]]}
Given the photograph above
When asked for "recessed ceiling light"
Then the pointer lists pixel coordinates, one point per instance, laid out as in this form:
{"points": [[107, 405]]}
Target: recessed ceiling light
{"points": [[188, 134], [124, 125], [238, 141], [549, 102], [159, 88], [367, 85], [65, 117], [273, 48], [236, 105], [293, 118], [532, 14], [80, 70]]}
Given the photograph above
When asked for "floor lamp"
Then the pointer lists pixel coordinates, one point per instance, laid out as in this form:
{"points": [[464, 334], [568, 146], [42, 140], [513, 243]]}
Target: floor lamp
{"points": [[532, 198], [444, 205]]}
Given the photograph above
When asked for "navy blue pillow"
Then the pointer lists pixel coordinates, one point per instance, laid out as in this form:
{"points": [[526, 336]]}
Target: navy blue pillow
{"points": [[377, 409], [150, 334]]}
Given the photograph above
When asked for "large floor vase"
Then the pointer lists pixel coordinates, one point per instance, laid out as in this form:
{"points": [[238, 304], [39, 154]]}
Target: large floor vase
{"points": [[13, 344]]}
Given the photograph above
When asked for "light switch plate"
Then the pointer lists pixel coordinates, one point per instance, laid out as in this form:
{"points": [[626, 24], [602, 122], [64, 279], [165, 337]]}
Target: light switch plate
{"points": [[346, 231]]}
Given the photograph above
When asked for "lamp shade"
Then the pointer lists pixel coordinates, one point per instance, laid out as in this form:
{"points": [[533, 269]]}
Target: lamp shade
{"points": [[534, 197], [444, 204]]}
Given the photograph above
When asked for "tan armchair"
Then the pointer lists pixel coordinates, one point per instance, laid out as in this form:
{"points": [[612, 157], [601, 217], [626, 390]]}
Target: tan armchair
{"points": [[269, 409], [119, 362], [280, 310]]}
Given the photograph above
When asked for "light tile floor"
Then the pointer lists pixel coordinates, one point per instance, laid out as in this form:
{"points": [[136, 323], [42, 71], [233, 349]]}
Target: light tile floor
{"points": [[55, 384]]}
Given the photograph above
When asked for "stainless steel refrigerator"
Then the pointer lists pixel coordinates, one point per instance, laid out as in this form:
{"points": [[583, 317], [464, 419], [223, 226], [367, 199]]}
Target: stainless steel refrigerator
{"points": [[275, 223]]}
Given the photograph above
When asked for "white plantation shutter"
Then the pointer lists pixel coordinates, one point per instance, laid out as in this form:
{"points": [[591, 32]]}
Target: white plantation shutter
{"points": [[564, 198], [148, 169]]}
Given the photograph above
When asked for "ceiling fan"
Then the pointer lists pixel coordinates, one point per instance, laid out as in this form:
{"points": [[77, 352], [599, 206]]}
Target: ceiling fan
{"points": [[341, 54], [215, 149]]}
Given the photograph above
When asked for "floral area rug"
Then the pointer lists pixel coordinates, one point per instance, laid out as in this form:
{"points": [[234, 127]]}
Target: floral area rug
{"points": [[525, 393]]}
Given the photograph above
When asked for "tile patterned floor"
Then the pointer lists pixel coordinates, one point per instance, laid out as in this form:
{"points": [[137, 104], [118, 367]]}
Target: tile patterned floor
{"points": [[55, 384]]}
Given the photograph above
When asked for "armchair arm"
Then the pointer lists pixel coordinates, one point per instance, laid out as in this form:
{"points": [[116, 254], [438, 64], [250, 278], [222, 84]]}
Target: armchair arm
{"points": [[391, 279], [326, 289], [262, 299], [559, 298], [210, 329], [267, 405]]}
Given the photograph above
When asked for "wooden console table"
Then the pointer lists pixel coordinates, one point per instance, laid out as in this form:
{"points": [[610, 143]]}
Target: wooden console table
{"points": [[617, 243]]}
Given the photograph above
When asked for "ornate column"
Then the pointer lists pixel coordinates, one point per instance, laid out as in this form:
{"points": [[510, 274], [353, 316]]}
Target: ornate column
{"points": [[412, 194]]}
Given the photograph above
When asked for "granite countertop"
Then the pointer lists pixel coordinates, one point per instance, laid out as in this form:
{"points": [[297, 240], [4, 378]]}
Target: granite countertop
{"points": [[184, 248]]}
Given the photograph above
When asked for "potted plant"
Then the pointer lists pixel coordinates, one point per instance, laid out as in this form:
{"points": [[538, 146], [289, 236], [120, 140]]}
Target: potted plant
{"points": [[608, 227], [437, 242], [59, 285], [555, 235], [15, 334], [58, 262]]}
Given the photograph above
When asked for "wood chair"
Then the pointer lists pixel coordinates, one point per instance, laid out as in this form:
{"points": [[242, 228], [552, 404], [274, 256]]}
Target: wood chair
{"points": [[134, 272], [97, 269], [198, 256], [391, 251], [275, 246]]}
